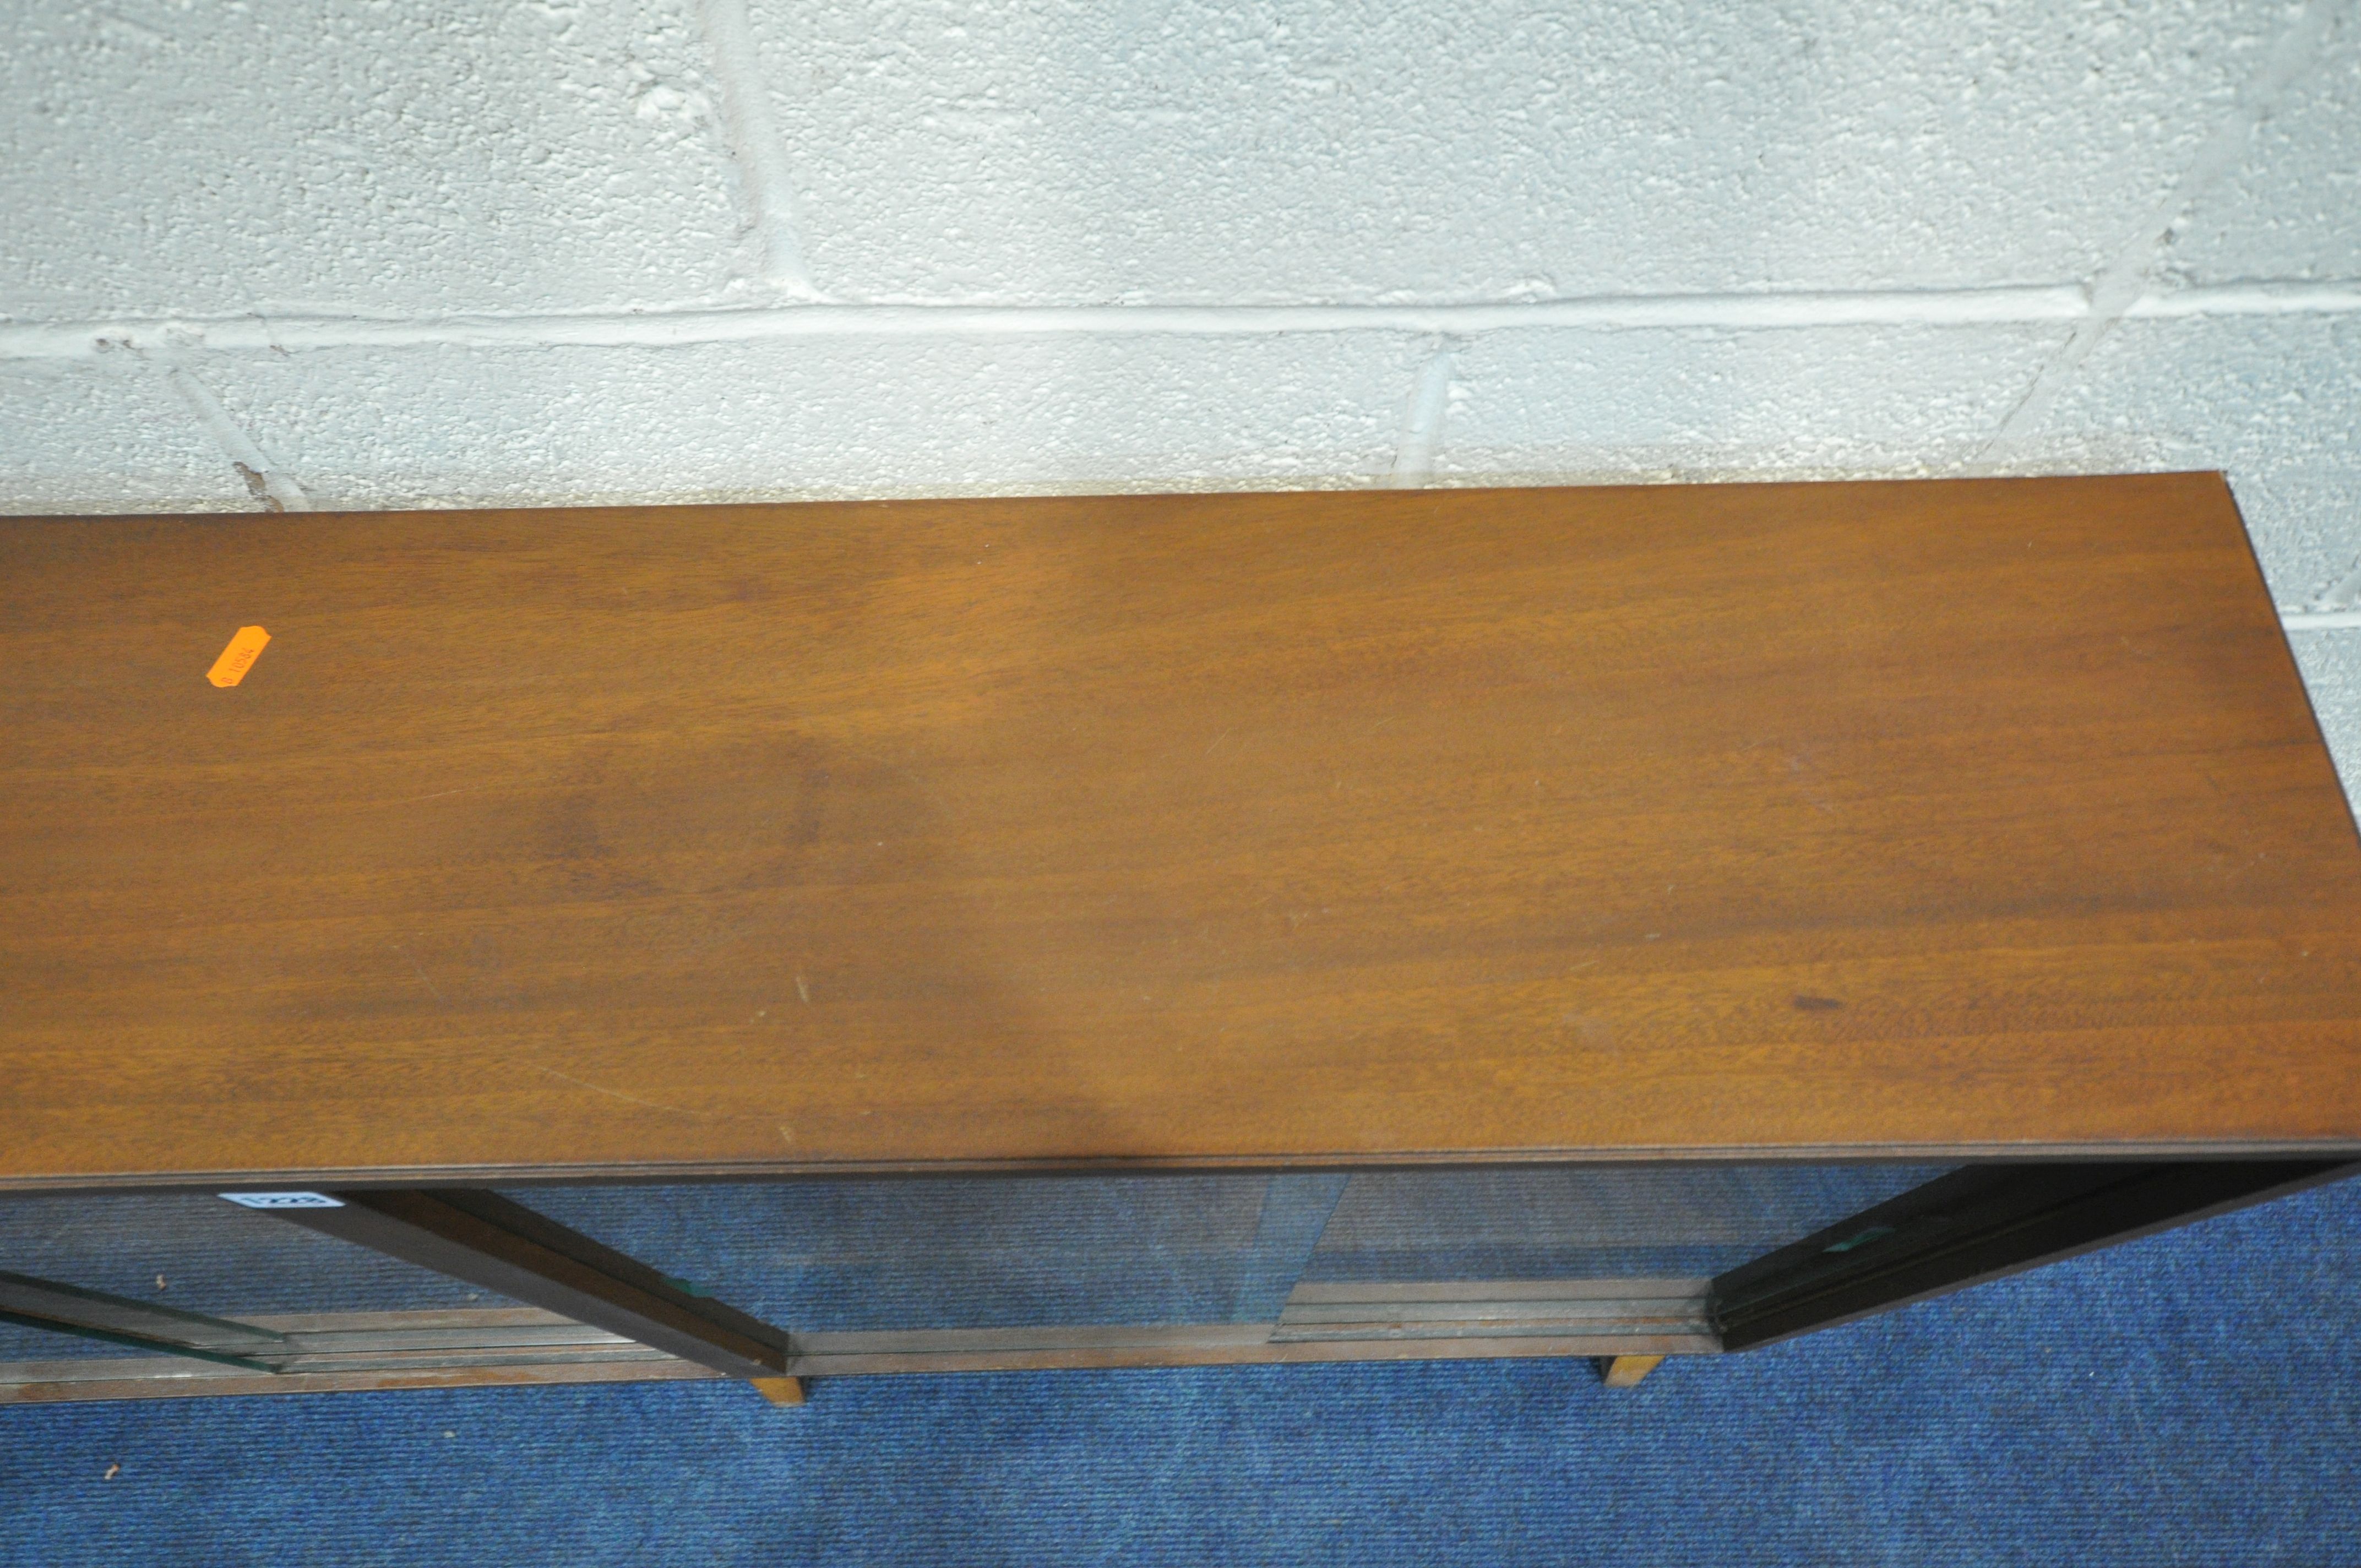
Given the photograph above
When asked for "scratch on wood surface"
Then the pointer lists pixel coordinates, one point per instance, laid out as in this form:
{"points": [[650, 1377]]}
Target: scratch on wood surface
{"points": [[438, 794], [434, 990], [619, 1094]]}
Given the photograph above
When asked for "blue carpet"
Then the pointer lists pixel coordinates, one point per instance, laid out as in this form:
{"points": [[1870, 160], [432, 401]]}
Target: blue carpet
{"points": [[2193, 1399]]}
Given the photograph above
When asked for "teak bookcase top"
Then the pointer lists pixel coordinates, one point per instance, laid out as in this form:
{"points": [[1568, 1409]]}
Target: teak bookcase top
{"points": [[1253, 829]]}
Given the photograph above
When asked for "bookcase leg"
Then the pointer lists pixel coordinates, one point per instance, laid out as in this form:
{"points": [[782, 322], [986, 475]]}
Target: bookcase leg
{"points": [[1625, 1371], [779, 1390]]}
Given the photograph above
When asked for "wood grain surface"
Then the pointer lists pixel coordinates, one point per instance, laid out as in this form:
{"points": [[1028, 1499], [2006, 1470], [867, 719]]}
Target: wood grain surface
{"points": [[1797, 819]]}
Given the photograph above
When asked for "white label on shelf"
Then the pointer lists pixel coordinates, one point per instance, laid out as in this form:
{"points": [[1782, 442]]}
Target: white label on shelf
{"points": [[284, 1200]]}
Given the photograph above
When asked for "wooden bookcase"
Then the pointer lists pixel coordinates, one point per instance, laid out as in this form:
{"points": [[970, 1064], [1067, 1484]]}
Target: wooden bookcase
{"points": [[1139, 930]]}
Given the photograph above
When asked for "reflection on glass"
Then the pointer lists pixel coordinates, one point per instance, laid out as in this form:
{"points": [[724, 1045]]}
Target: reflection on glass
{"points": [[820, 1257], [195, 1252], [1588, 1221], [969, 1253], [817, 1257]]}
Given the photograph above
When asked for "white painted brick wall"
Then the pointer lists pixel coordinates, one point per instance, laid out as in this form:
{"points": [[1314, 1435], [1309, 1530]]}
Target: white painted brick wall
{"points": [[1374, 150], [387, 255]]}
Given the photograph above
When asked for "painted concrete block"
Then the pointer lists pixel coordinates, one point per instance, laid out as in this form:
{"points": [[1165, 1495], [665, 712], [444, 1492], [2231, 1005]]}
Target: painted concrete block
{"points": [[1240, 150], [1827, 403], [173, 158], [2292, 206], [841, 417], [108, 437], [2331, 661]]}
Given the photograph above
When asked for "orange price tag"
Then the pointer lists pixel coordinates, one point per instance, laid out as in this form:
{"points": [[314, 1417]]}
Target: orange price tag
{"points": [[238, 657]]}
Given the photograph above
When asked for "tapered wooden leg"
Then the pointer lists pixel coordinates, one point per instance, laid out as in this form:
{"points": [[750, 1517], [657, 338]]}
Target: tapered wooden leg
{"points": [[1625, 1371], [779, 1390]]}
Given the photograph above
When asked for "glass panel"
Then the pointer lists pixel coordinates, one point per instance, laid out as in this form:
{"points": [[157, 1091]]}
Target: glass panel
{"points": [[1588, 1221], [195, 1252], [820, 1257], [1053, 1251], [971, 1253]]}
